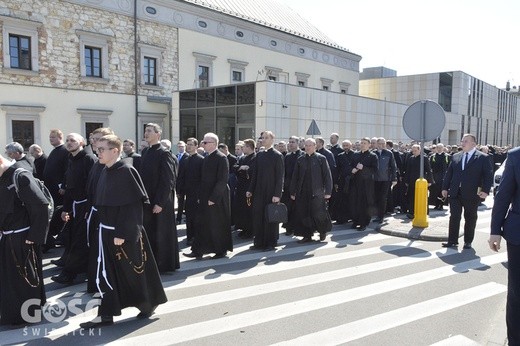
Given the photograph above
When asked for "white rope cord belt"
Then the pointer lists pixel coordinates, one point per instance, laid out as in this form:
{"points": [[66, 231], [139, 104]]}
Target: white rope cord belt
{"points": [[92, 210], [74, 206], [2, 233], [101, 258]]}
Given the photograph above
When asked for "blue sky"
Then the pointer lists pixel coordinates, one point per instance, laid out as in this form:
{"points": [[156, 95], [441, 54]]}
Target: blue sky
{"points": [[423, 36]]}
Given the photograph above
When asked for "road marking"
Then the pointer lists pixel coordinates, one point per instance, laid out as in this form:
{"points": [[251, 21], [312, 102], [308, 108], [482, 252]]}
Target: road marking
{"points": [[391, 319], [233, 322]]}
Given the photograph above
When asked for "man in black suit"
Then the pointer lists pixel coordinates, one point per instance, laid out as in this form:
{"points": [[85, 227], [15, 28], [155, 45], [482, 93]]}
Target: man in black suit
{"points": [[505, 222], [467, 180], [181, 198]]}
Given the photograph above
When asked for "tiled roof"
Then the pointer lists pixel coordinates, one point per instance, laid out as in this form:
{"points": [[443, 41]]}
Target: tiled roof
{"points": [[269, 13]]}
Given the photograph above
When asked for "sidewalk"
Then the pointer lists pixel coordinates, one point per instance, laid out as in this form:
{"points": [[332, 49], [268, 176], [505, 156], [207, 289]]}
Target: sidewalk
{"points": [[398, 225]]}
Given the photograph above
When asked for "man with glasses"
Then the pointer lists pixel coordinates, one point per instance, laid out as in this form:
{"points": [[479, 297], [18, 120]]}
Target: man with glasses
{"points": [[127, 274], [266, 187], [159, 174], [215, 209]]}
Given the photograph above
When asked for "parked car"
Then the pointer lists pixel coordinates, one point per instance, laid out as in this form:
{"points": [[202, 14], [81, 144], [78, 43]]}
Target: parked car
{"points": [[498, 177]]}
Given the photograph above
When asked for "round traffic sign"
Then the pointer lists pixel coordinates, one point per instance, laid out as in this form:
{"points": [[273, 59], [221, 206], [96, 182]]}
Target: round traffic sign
{"points": [[424, 120]]}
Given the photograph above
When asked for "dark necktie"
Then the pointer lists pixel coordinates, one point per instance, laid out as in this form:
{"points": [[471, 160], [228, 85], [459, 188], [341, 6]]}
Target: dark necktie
{"points": [[466, 159]]}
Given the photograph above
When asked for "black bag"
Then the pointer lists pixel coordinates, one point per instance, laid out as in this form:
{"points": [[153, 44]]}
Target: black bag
{"points": [[276, 213]]}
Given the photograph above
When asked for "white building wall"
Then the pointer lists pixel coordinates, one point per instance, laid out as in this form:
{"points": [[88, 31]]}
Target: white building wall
{"points": [[257, 59]]}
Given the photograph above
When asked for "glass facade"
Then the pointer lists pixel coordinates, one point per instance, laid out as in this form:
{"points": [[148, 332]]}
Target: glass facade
{"points": [[228, 111]]}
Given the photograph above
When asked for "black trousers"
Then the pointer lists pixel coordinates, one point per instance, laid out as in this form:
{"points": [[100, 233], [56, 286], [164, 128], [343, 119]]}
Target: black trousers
{"points": [[513, 294], [381, 189], [470, 206]]}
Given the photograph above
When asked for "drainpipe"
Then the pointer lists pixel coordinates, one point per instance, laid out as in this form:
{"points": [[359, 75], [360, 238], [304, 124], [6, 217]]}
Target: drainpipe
{"points": [[136, 76]]}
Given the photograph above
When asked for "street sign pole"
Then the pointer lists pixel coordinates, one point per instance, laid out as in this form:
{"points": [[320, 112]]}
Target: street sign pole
{"points": [[423, 121]]}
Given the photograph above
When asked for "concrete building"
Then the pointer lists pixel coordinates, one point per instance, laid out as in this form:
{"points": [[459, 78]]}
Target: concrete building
{"points": [[234, 67], [471, 105]]}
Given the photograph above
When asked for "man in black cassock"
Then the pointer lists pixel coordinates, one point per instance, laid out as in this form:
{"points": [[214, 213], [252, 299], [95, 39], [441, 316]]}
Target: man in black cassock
{"points": [[75, 207], [127, 272], [266, 187], [188, 185], [244, 170], [23, 227], [215, 208], [289, 164], [362, 185], [158, 171], [311, 187], [344, 169], [439, 162]]}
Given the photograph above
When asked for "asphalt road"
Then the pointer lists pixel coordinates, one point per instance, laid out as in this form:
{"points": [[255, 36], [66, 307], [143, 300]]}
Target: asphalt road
{"points": [[355, 288]]}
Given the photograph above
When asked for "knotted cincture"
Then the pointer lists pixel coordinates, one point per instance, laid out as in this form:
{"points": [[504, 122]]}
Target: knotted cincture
{"points": [[92, 210], [74, 203], [101, 258]]}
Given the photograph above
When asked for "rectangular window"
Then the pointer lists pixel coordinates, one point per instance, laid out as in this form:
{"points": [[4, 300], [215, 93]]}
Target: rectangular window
{"points": [[203, 75], [237, 76], [301, 83], [272, 78], [343, 91], [150, 71], [325, 87], [93, 62], [23, 132], [20, 51]]}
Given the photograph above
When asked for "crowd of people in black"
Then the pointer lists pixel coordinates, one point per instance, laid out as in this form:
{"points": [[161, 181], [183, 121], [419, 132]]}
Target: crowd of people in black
{"points": [[115, 214]]}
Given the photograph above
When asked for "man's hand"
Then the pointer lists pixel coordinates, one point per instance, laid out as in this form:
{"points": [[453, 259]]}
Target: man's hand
{"points": [[494, 242], [156, 209], [444, 193], [118, 241], [482, 194], [326, 196], [210, 202], [249, 194]]}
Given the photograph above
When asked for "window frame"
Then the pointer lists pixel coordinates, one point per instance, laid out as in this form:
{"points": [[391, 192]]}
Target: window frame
{"points": [[204, 60], [237, 66], [94, 40], [151, 52], [92, 59], [20, 27], [23, 113]]}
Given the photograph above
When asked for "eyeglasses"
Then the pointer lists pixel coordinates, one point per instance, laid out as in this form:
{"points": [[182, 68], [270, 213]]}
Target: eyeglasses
{"points": [[102, 149], [206, 142]]}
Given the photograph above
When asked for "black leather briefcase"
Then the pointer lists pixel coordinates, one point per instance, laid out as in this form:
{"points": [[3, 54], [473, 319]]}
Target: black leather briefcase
{"points": [[276, 213]]}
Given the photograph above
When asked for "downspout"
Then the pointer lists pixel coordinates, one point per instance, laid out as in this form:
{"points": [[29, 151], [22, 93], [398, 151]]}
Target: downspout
{"points": [[136, 76]]}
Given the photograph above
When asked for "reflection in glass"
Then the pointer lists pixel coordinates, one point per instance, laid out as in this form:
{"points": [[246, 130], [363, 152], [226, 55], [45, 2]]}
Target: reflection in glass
{"points": [[226, 96], [205, 98]]}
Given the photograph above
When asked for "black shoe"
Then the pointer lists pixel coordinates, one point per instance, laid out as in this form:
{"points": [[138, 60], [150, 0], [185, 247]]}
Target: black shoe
{"points": [[59, 262], [147, 313], [269, 248], [47, 247], [378, 220], [410, 216], [467, 246], [362, 228], [305, 240], [323, 236], [219, 255], [98, 322], [450, 245], [64, 278], [193, 255], [254, 247], [289, 233], [338, 222]]}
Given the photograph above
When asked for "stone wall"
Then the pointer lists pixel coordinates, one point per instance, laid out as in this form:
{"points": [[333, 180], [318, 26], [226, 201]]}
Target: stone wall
{"points": [[59, 48]]}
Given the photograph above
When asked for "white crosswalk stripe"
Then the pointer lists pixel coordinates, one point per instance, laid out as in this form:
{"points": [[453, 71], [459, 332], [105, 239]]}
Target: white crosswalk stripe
{"points": [[227, 297]]}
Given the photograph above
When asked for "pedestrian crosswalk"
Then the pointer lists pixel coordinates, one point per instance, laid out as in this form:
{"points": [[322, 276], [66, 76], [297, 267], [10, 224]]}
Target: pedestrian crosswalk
{"points": [[356, 288]]}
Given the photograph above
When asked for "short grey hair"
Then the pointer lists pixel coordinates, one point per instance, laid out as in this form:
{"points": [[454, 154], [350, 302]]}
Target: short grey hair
{"points": [[14, 147]]}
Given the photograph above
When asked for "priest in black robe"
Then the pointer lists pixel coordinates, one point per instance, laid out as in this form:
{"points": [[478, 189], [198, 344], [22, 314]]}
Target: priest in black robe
{"points": [[23, 227], [290, 159], [311, 187], [188, 185], [158, 171], [266, 187], [215, 206], [365, 166], [127, 273], [244, 170]]}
